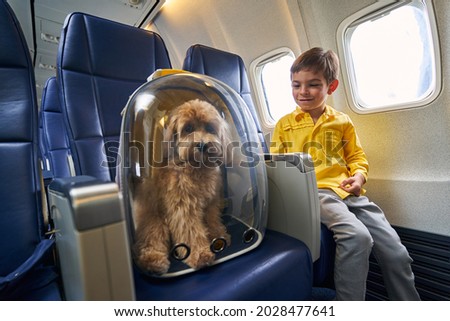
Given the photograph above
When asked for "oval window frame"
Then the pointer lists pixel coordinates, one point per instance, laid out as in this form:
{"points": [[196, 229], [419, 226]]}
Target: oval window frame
{"points": [[256, 68], [372, 12]]}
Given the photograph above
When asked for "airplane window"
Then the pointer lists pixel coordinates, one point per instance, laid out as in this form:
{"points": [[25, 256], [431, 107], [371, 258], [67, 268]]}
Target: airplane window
{"points": [[271, 77], [276, 82], [391, 58]]}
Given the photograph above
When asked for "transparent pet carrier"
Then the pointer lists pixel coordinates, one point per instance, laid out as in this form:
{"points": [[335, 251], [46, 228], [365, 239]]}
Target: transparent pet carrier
{"points": [[153, 169]]}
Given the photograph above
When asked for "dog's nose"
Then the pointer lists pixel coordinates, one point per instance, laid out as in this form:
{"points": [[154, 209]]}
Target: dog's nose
{"points": [[202, 146]]}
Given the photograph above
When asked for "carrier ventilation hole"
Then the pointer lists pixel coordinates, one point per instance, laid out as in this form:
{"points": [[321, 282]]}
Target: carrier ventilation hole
{"points": [[249, 235], [180, 251]]}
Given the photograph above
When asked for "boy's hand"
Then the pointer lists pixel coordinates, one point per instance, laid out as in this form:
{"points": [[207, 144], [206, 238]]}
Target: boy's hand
{"points": [[353, 184]]}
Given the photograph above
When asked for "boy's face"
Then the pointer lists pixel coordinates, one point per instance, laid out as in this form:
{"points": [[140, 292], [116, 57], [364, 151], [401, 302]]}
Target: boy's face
{"points": [[310, 90]]}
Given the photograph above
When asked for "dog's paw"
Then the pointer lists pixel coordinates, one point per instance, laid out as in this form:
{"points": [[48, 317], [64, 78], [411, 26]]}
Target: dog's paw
{"points": [[154, 262], [200, 259]]}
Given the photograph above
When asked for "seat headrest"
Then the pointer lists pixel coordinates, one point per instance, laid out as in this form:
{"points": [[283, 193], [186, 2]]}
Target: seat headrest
{"points": [[50, 96], [226, 67], [110, 49]]}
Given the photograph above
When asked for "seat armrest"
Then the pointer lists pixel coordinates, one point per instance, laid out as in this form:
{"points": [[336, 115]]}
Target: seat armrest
{"points": [[293, 198], [91, 239]]}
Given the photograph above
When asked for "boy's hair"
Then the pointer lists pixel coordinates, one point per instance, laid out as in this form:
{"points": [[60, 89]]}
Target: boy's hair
{"points": [[318, 60]]}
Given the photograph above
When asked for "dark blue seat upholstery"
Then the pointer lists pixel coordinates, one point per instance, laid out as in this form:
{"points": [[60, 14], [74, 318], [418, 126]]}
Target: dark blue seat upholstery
{"points": [[324, 266], [279, 269], [230, 69], [100, 64], [54, 142], [26, 268]]}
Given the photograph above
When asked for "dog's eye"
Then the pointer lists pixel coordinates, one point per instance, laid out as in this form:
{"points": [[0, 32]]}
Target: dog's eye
{"points": [[210, 129], [189, 128]]}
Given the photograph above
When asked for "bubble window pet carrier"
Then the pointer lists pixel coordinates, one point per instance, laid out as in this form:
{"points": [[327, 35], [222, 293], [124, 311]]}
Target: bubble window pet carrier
{"points": [[189, 151]]}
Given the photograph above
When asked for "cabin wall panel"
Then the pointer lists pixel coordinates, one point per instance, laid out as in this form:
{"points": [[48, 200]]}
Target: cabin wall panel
{"points": [[320, 16], [408, 150]]}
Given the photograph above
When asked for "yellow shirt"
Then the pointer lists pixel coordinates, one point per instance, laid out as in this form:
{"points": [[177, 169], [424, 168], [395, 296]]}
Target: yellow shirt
{"points": [[332, 143]]}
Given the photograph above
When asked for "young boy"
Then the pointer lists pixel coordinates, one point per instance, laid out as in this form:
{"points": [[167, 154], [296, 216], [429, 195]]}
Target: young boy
{"points": [[358, 225]]}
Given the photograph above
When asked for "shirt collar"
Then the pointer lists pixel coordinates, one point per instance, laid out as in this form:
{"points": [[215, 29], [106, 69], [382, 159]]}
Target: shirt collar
{"points": [[299, 114]]}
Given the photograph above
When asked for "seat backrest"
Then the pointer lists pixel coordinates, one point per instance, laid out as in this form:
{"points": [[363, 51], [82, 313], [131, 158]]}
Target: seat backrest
{"points": [[226, 67], [54, 141], [100, 63], [21, 221], [18, 116]]}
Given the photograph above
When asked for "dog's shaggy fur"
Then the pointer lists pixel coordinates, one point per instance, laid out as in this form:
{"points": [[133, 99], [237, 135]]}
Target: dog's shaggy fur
{"points": [[182, 201]]}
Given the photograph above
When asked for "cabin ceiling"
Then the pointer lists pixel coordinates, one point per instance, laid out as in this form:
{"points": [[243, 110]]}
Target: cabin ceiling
{"points": [[42, 22]]}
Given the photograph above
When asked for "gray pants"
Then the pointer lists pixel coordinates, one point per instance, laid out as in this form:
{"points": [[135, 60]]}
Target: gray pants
{"points": [[359, 226]]}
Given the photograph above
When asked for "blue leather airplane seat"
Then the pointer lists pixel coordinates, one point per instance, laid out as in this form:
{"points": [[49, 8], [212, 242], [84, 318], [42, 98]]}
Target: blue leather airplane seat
{"points": [[54, 142], [230, 69], [100, 64], [26, 268]]}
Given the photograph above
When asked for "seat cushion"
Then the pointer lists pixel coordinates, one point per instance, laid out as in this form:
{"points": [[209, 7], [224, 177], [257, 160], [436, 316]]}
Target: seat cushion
{"points": [[41, 284], [270, 272]]}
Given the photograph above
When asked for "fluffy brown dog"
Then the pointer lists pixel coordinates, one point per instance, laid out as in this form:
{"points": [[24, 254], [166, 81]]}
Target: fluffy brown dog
{"points": [[182, 201]]}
